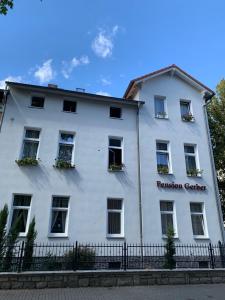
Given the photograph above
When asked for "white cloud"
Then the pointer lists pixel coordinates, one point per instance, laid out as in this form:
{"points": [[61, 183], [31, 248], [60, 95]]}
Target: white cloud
{"points": [[102, 45], [68, 67], [115, 29], [105, 81], [10, 78], [103, 93], [45, 73]]}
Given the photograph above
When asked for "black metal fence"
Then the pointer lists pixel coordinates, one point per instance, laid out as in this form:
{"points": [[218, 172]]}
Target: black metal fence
{"points": [[77, 256]]}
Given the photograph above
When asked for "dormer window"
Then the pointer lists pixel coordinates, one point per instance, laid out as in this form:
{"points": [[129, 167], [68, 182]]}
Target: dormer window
{"points": [[37, 102], [115, 112]]}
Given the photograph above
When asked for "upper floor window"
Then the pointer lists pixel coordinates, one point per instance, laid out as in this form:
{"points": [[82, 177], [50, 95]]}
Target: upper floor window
{"points": [[31, 143], [114, 217], [167, 216], [115, 112], [37, 101], [66, 147], [163, 157], [191, 160], [185, 110], [59, 215], [197, 219], [20, 213], [160, 107], [115, 154], [69, 106]]}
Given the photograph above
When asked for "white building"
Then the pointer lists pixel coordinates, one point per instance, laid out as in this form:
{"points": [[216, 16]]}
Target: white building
{"points": [[108, 168]]}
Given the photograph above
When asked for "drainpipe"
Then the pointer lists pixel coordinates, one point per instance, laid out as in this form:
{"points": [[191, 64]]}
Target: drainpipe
{"points": [[207, 99], [6, 92], [139, 179]]}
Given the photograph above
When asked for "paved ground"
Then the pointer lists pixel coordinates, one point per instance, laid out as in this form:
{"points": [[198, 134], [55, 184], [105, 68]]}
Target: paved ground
{"points": [[181, 292]]}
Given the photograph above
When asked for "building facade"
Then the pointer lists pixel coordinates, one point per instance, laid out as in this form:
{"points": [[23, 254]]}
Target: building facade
{"points": [[94, 169]]}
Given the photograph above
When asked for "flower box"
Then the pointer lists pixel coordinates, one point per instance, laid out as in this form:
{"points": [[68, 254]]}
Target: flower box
{"points": [[194, 173], [27, 161], [63, 164], [163, 169], [188, 118], [115, 167]]}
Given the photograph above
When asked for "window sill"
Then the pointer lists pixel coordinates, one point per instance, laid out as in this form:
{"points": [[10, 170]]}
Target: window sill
{"points": [[201, 237], [162, 118], [164, 237], [115, 237], [58, 235], [116, 118], [69, 112], [22, 235], [112, 171], [194, 176], [35, 107], [192, 121], [165, 174]]}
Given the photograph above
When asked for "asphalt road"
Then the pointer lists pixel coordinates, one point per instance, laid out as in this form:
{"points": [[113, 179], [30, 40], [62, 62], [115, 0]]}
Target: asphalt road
{"points": [[181, 292]]}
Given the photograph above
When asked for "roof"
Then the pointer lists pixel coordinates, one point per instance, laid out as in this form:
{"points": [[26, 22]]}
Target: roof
{"points": [[71, 93], [174, 68]]}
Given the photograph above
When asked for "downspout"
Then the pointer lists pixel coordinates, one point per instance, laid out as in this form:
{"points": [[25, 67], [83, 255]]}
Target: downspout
{"points": [[6, 92], [207, 99], [139, 179]]}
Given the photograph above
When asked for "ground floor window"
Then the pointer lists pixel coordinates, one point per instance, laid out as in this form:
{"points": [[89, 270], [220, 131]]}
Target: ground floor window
{"points": [[167, 216], [114, 217], [59, 215], [20, 213], [197, 219]]}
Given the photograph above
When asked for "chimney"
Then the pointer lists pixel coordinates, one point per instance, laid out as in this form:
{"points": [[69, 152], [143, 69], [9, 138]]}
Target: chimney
{"points": [[53, 86]]}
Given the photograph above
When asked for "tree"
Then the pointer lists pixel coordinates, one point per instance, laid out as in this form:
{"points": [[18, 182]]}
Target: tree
{"points": [[170, 262], [29, 246], [216, 116], [3, 222], [5, 5]]}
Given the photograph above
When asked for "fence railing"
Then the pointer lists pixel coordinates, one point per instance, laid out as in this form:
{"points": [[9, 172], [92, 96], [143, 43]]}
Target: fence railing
{"points": [[78, 256]]}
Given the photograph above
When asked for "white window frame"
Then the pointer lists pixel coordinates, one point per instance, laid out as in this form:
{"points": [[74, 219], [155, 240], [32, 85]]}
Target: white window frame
{"points": [[190, 107], [67, 209], [121, 112], [30, 139], [174, 216], [67, 143], [37, 95], [195, 154], [21, 234], [70, 112], [121, 211], [116, 147], [203, 214], [157, 116], [168, 151]]}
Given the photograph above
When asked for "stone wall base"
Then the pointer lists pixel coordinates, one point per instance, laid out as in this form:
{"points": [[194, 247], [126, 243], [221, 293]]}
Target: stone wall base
{"points": [[40, 280]]}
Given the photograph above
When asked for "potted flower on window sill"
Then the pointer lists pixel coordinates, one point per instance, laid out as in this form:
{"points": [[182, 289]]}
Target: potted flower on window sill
{"points": [[188, 118], [63, 164], [116, 167], [194, 173], [163, 169], [161, 115], [27, 161]]}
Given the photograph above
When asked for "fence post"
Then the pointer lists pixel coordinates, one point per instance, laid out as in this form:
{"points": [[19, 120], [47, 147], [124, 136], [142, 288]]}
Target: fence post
{"points": [[222, 256], [125, 256], [75, 266], [19, 268], [211, 256]]}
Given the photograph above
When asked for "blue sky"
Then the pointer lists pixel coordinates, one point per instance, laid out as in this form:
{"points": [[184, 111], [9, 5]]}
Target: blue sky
{"points": [[100, 45]]}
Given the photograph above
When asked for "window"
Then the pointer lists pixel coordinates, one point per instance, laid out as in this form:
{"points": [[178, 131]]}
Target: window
{"points": [[37, 101], [160, 107], [163, 160], [31, 143], [69, 106], [66, 147], [190, 159], [21, 208], [185, 110], [115, 217], [115, 154], [197, 219], [59, 215], [115, 112], [167, 216]]}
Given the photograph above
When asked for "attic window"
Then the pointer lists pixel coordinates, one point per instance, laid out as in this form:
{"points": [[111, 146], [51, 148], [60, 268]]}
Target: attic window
{"points": [[115, 112], [69, 106], [37, 102]]}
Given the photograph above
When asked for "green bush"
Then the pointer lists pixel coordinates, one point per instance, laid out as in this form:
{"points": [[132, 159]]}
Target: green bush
{"points": [[83, 259], [170, 262], [29, 246], [27, 161]]}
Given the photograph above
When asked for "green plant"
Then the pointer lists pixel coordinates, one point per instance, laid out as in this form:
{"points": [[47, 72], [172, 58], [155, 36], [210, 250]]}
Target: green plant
{"points": [[3, 221], [170, 262], [10, 244], [29, 246], [194, 172], [63, 164], [116, 167], [27, 161], [188, 117], [5, 5], [51, 263], [83, 258], [162, 169]]}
